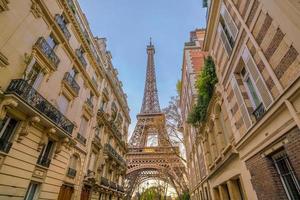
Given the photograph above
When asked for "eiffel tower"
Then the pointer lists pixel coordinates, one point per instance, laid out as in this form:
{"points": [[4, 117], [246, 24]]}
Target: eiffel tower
{"points": [[151, 154]]}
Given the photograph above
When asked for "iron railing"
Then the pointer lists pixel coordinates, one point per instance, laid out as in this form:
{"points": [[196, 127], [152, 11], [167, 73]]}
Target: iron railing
{"points": [[104, 181], [45, 48], [81, 138], [81, 57], [5, 145], [72, 82], [113, 153], [113, 185], [71, 172], [259, 112], [120, 188], [60, 21], [30, 96]]}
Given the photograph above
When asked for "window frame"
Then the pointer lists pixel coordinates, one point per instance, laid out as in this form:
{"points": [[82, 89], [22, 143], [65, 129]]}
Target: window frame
{"points": [[36, 191]]}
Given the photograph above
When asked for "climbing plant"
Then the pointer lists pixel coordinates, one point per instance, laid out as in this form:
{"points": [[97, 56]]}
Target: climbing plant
{"points": [[205, 85]]}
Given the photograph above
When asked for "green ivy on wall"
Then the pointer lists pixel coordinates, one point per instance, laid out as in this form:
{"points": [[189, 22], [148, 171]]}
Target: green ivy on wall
{"points": [[205, 85]]}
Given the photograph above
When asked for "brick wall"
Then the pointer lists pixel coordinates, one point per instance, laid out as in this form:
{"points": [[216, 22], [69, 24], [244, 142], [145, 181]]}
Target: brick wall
{"points": [[264, 177]]}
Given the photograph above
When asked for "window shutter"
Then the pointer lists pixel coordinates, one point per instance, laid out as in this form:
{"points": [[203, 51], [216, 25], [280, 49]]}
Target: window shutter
{"points": [[240, 102], [263, 91], [229, 21]]}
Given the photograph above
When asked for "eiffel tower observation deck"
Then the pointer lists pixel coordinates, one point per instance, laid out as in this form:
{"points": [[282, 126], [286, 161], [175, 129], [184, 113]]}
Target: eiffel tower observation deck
{"points": [[151, 154]]}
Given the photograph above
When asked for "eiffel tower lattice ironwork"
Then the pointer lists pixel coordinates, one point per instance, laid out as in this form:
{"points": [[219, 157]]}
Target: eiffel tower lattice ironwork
{"points": [[151, 154]]}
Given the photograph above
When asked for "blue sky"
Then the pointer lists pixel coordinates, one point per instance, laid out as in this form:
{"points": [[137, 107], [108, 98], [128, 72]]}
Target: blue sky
{"points": [[128, 25]]}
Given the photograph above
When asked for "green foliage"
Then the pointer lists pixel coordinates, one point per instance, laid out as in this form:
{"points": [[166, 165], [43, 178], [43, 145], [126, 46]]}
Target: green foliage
{"points": [[178, 87], [184, 196], [151, 193], [205, 85]]}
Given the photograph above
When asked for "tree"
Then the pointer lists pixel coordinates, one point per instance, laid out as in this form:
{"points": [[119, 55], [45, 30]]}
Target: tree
{"points": [[173, 125]]}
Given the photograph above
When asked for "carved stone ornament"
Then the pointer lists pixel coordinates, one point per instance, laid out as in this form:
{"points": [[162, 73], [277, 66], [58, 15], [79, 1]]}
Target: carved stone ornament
{"points": [[36, 9], [43, 142], [25, 125], [3, 5], [5, 104]]}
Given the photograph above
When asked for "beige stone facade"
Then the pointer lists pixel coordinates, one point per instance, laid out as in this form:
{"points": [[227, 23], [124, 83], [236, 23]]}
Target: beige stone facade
{"points": [[250, 139], [63, 114]]}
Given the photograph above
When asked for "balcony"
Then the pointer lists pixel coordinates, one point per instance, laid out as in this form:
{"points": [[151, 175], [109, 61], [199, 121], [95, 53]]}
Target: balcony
{"points": [[60, 21], [113, 185], [35, 100], [5, 145], [44, 161], [120, 188], [104, 181], [71, 172], [81, 138], [71, 83], [94, 82], [47, 51], [109, 150], [259, 112], [81, 57]]}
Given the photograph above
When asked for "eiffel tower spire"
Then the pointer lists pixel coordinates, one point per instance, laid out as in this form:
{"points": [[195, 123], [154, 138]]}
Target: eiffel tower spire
{"points": [[150, 100]]}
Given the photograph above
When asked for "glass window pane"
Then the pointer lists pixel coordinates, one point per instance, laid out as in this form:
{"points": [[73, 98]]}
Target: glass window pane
{"points": [[252, 91], [63, 104]]}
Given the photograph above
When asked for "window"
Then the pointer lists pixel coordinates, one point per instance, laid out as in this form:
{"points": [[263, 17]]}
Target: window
{"points": [[72, 166], [51, 42], [32, 191], [152, 140], [7, 128], [114, 111], [35, 75], [92, 161], [73, 73], [287, 175], [45, 156], [251, 90], [63, 104], [83, 126]]}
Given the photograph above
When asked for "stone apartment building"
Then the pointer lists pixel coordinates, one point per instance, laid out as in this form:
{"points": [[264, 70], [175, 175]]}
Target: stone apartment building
{"points": [[63, 114], [250, 139]]}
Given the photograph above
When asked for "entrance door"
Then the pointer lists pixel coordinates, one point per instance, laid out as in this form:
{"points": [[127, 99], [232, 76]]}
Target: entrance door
{"points": [[85, 193], [65, 192]]}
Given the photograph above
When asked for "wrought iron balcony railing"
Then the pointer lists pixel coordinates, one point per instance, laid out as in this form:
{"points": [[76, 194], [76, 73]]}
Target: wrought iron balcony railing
{"points": [[45, 48], [60, 21], [81, 138], [115, 130], [31, 97], [71, 172], [81, 57], [259, 112], [120, 188], [5, 145], [113, 185], [44, 161], [72, 82], [104, 181], [90, 103], [113, 153]]}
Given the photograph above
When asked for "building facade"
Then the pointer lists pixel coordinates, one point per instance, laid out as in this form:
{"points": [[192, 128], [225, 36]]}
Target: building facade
{"points": [[63, 114], [250, 138]]}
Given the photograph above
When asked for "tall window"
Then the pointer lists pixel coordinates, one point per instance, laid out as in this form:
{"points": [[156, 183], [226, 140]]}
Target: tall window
{"points": [[287, 175], [32, 191], [63, 104], [83, 126], [73, 72], [114, 111], [35, 75], [45, 156], [92, 161], [51, 42], [7, 129], [251, 89]]}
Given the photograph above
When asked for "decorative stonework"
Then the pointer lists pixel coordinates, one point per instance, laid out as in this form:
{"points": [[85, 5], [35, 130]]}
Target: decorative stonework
{"points": [[25, 125], [36, 9], [3, 5], [5, 104], [3, 60]]}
